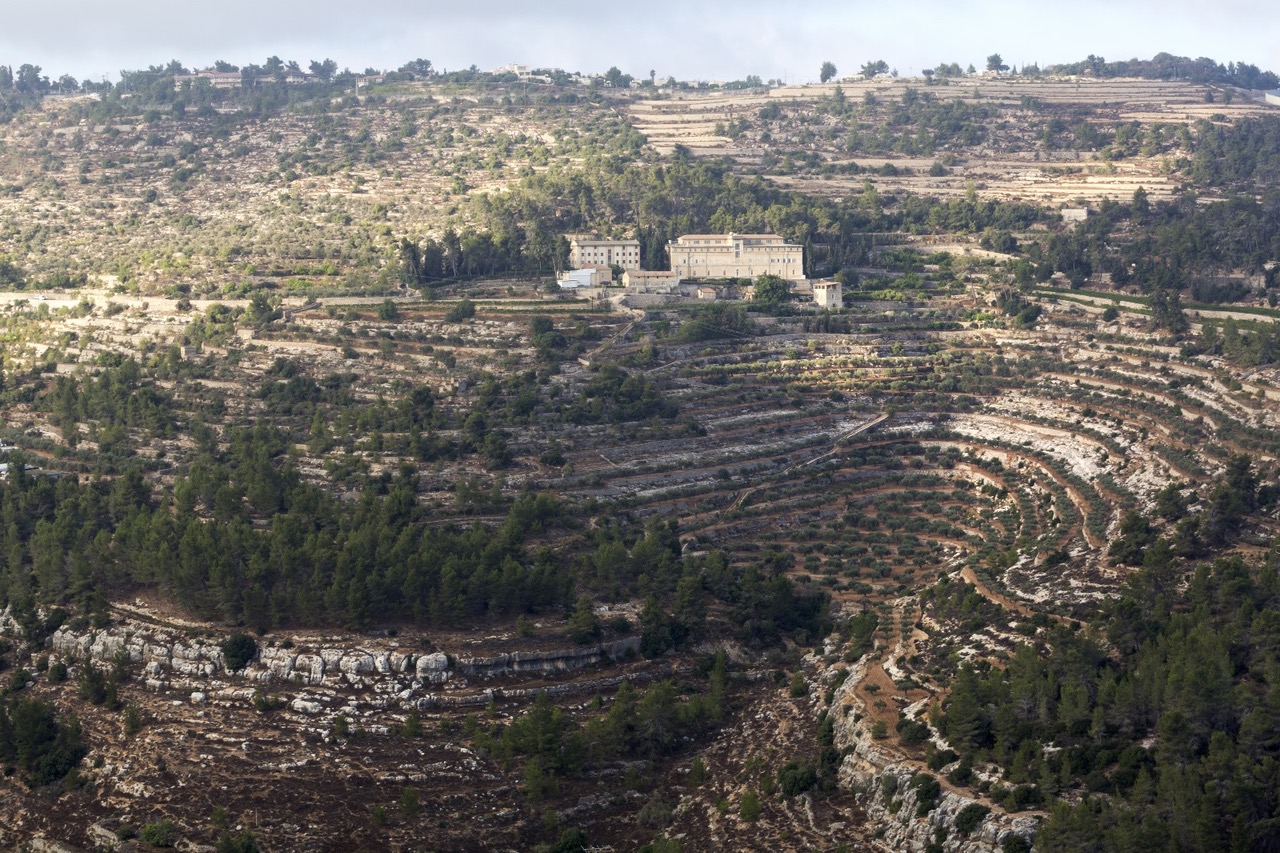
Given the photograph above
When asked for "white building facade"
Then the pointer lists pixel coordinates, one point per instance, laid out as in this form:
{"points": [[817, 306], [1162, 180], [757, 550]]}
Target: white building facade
{"points": [[828, 294], [594, 252], [695, 256]]}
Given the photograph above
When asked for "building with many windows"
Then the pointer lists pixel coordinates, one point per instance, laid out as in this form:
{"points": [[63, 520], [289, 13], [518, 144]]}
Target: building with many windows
{"points": [[589, 251], [735, 256]]}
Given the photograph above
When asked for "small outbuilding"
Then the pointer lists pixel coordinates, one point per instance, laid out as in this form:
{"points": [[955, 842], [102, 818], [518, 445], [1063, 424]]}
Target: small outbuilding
{"points": [[650, 281], [828, 294], [587, 277]]}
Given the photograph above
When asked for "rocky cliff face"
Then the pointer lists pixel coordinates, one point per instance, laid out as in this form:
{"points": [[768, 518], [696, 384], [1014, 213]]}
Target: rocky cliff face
{"points": [[881, 778], [370, 676]]}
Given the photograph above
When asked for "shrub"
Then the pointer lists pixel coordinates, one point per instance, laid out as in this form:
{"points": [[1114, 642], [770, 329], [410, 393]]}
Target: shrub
{"points": [[749, 809], [1023, 797], [970, 816], [962, 773], [889, 784], [241, 842], [1015, 844], [655, 814], [928, 790], [464, 310], [45, 748], [238, 650], [572, 840], [132, 719], [163, 833], [410, 804], [940, 759], [799, 687], [795, 778], [912, 732], [262, 703]]}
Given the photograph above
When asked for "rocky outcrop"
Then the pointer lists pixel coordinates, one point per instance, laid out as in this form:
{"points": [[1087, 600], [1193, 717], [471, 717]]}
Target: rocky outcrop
{"points": [[890, 801], [882, 781], [384, 677]]}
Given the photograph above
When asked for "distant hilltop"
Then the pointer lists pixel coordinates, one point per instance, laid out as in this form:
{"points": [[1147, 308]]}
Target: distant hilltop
{"points": [[28, 81]]}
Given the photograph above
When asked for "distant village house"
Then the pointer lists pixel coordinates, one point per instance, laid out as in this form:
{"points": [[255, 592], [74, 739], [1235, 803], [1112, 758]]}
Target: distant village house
{"points": [[233, 79], [217, 79]]}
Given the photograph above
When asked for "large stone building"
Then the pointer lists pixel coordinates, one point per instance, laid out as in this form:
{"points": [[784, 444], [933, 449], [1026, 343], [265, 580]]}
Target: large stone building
{"points": [[217, 79], [586, 251], [735, 256]]}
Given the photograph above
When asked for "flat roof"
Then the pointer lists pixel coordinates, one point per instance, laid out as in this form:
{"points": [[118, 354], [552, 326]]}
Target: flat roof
{"points": [[731, 237]]}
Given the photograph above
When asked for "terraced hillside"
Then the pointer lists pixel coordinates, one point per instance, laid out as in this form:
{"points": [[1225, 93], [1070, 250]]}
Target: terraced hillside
{"points": [[1056, 142], [955, 486], [983, 559]]}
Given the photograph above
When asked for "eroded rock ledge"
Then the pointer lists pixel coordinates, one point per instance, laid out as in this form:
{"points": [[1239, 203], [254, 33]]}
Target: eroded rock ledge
{"points": [[365, 676], [881, 779]]}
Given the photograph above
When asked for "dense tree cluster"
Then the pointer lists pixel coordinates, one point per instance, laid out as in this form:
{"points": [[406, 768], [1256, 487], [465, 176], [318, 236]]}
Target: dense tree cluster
{"points": [[242, 538], [520, 230], [37, 742], [1199, 678], [647, 724], [1165, 66], [1162, 715], [1243, 153], [918, 125], [1170, 247]]}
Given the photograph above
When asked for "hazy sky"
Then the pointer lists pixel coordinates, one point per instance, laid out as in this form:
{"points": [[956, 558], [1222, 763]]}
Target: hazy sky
{"points": [[691, 40]]}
